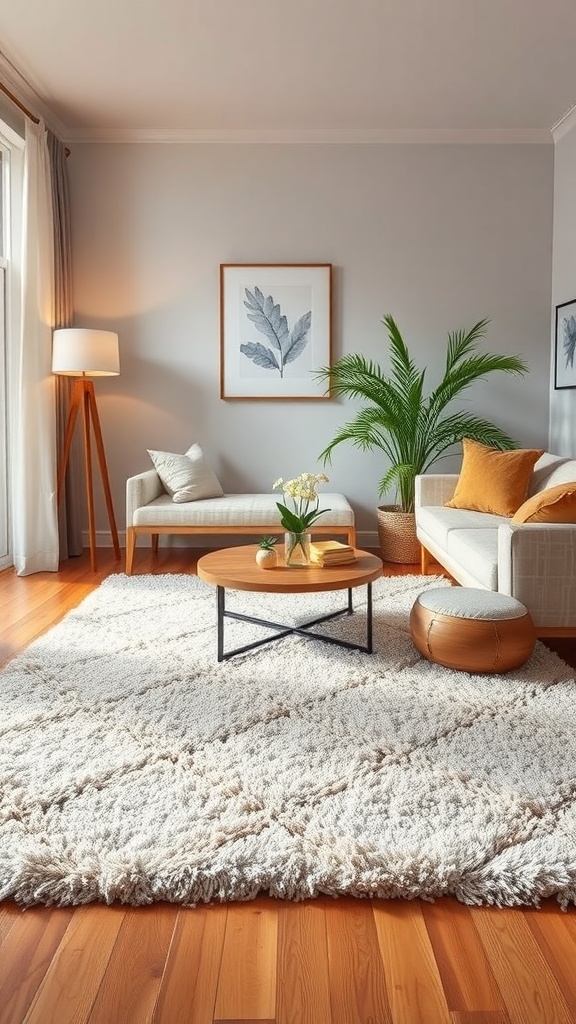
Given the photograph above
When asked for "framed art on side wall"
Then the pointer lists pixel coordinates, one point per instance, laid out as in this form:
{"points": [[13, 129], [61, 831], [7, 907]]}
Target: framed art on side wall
{"points": [[565, 346], [275, 329]]}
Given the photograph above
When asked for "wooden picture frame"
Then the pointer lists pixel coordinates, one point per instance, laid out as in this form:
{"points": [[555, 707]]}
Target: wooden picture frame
{"points": [[565, 346], [275, 330]]}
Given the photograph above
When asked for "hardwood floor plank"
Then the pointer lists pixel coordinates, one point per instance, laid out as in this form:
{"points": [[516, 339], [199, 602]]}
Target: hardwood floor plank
{"points": [[9, 915], [467, 978], [528, 986], [70, 985], [26, 956], [414, 984], [130, 986], [247, 982], [481, 1017], [358, 990], [555, 933], [303, 987], [190, 981]]}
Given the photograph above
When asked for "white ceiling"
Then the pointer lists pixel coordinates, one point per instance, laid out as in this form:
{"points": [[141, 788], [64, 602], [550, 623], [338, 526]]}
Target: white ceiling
{"points": [[293, 66]]}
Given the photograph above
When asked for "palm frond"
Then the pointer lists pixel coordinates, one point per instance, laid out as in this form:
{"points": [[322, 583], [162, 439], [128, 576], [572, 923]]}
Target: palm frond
{"points": [[449, 433], [353, 376], [401, 477], [404, 370], [461, 342], [356, 377], [365, 432], [388, 482], [463, 375]]}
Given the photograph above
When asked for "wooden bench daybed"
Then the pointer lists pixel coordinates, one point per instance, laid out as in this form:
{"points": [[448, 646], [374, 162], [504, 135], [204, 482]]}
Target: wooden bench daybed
{"points": [[150, 510]]}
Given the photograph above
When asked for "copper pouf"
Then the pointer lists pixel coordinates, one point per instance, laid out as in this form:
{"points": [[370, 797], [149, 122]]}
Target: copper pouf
{"points": [[472, 630]]}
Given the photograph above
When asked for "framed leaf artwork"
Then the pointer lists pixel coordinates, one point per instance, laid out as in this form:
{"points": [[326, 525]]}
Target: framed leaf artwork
{"points": [[275, 329], [565, 346]]}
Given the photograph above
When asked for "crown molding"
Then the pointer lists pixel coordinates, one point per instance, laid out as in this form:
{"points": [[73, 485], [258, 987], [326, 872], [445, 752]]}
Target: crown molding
{"points": [[312, 136], [27, 95], [320, 136], [566, 123]]}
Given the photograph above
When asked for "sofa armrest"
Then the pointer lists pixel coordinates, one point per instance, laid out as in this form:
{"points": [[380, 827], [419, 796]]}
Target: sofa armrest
{"points": [[434, 488], [537, 566], [141, 490]]}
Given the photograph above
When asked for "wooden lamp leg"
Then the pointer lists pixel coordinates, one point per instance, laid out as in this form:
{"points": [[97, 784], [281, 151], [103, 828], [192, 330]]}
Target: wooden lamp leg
{"points": [[75, 406], [88, 468], [83, 397], [103, 468]]}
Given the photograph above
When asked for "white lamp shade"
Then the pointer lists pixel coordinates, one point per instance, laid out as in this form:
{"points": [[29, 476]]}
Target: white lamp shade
{"points": [[83, 352]]}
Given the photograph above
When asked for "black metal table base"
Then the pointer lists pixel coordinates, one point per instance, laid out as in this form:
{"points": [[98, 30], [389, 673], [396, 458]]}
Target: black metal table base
{"points": [[304, 629]]}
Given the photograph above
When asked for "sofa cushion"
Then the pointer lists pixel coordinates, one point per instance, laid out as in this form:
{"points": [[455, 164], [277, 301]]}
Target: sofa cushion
{"points": [[554, 505], [438, 521], [186, 477], [478, 551], [492, 480]]}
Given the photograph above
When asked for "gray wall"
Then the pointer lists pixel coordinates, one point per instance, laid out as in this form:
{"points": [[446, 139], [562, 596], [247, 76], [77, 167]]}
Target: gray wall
{"points": [[563, 402], [438, 235]]}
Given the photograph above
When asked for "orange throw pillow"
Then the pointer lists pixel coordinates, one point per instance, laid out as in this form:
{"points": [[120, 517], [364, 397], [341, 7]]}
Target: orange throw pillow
{"points": [[554, 505], [493, 481]]}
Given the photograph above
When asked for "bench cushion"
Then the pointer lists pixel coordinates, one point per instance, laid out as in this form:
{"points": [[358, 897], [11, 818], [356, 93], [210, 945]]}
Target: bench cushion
{"points": [[235, 510]]}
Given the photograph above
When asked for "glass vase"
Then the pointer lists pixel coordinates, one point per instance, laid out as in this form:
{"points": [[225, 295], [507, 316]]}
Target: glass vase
{"points": [[297, 550]]}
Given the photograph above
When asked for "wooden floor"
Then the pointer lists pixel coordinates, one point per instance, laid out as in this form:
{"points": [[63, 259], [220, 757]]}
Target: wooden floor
{"points": [[322, 961]]}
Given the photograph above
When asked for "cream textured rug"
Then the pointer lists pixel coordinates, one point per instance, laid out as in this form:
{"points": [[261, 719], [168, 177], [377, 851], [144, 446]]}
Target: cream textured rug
{"points": [[134, 767]]}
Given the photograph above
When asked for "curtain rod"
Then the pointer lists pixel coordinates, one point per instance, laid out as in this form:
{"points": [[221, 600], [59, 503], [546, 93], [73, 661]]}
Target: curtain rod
{"points": [[15, 100], [24, 109]]}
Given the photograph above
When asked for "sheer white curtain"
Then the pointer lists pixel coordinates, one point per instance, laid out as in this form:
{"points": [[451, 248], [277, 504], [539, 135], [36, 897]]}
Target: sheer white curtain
{"points": [[33, 427]]}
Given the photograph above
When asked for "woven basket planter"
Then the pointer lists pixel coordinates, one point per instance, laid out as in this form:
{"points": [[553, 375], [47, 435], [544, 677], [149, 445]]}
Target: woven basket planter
{"points": [[397, 535]]}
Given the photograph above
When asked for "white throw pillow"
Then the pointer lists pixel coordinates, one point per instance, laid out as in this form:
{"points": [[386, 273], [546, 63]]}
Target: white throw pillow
{"points": [[186, 477]]}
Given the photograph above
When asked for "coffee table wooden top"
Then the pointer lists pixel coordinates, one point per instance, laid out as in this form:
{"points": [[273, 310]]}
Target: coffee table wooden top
{"points": [[236, 569]]}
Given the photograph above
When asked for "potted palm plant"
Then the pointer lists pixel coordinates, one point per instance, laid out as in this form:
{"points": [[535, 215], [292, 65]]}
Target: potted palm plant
{"points": [[413, 429]]}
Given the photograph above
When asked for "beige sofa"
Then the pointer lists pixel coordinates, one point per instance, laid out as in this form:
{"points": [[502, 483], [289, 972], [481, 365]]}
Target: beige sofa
{"points": [[150, 510], [533, 562]]}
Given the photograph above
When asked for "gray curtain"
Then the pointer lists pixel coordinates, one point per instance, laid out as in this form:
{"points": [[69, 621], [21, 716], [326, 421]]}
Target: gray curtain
{"points": [[70, 509]]}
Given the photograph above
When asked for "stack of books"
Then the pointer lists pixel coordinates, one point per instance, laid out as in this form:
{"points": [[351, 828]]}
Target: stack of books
{"points": [[331, 552]]}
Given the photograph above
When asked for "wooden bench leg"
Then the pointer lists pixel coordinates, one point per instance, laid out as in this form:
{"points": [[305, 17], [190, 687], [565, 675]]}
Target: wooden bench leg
{"points": [[130, 546], [155, 539]]}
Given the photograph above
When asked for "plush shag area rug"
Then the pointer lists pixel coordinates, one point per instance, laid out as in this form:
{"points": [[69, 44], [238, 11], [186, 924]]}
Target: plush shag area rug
{"points": [[134, 767]]}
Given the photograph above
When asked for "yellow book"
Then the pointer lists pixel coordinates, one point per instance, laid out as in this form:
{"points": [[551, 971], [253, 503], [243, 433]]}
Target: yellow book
{"points": [[324, 547], [331, 552], [325, 563], [343, 556]]}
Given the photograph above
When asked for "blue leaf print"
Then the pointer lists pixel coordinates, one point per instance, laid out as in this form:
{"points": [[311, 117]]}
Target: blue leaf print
{"points": [[260, 355], [570, 341], [298, 338], [267, 318]]}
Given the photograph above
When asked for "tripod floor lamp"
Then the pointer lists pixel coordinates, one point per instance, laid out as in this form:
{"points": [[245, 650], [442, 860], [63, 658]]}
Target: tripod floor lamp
{"points": [[84, 353]]}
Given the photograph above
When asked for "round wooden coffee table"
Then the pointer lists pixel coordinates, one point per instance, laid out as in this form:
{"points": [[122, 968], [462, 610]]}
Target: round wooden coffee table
{"points": [[236, 569]]}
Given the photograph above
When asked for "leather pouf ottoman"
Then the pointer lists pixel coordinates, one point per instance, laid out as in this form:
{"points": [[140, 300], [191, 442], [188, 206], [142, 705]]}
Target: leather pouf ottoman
{"points": [[472, 630]]}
